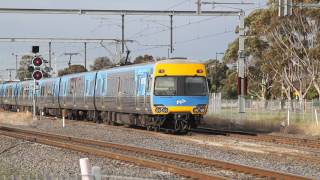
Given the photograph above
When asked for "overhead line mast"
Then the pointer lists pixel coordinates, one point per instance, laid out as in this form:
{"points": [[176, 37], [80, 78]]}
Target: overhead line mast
{"points": [[242, 79]]}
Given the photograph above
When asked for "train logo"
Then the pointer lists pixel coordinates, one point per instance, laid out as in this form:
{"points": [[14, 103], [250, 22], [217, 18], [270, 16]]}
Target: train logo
{"points": [[181, 101]]}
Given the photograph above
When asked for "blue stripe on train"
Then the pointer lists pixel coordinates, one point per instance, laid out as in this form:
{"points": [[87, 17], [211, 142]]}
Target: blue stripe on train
{"points": [[180, 100]]}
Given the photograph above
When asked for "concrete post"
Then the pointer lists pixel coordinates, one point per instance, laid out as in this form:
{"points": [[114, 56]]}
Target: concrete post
{"points": [[241, 63], [85, 169], [96, 172]]}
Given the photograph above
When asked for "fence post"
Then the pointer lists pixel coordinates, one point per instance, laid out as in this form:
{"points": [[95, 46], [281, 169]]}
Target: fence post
{"points": [[214, 102], [312, 115], [288, 119], [96, 172], [85, 169], [316, 115], [63, 118]]}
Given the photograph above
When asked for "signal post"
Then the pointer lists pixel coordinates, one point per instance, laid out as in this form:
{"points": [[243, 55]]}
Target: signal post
{"points": [[36, 69]]}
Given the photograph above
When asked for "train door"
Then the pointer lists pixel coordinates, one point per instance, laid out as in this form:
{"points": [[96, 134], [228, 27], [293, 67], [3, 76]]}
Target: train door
{"points": [[142, 81], [98, 92], [73, 87], [111, 98], [56, 91]]}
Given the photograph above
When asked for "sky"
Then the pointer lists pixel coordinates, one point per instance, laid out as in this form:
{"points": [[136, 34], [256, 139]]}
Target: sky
{"points": [[198, 38]]}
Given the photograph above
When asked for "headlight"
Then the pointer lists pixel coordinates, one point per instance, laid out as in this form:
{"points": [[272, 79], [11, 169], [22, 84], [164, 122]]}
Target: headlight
{"points": [[165, 110], [158, 109], [200, 109], [161, 109]]}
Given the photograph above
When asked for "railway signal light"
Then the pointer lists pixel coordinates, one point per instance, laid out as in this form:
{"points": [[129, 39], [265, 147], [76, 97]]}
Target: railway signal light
{"points": [[37, 61], [36, 68], [37, 75]]}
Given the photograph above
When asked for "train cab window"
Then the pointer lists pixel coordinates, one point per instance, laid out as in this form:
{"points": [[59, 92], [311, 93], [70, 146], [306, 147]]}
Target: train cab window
{"points": [[165, 86], [180, 86], [195, 86]]}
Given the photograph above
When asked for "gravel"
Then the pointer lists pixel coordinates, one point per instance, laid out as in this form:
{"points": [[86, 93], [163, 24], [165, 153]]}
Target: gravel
{"points": [[18, 157], [158, 141]]}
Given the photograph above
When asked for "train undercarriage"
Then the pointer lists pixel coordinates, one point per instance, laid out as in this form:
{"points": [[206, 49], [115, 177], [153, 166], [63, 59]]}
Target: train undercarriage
{"points": [[174, 122]]}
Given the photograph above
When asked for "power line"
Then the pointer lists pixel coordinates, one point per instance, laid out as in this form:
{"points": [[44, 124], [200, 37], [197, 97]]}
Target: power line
{"points": [[176, 27], [204, 37], [189, 40]]}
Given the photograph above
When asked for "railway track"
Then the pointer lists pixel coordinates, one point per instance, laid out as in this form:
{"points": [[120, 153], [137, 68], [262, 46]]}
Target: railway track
{"points": [[311, 143], [302, 142], [184, 165], [205, 130]]}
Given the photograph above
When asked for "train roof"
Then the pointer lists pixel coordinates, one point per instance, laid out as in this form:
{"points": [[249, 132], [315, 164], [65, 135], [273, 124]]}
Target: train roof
{"points": [[178, 61]]}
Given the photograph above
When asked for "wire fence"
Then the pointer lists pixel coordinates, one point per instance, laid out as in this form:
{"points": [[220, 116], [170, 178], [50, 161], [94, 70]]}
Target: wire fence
{"points": [[294, 111]]}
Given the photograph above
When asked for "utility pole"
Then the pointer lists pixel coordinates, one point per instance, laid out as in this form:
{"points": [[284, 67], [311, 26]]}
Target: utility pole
{"points": [[241, 55], [241, 64], [122, 29], [50, 54], [85, 55], [171, 34], [285, 7], [70, 57], [16, 55], [10, 73]]}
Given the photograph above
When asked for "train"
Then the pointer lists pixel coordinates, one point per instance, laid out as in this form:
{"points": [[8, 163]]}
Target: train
{"points": [[169, 94]]}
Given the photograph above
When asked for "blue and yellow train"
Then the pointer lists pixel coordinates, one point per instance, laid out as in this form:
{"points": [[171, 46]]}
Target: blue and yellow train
{"points": [[171, 94]]}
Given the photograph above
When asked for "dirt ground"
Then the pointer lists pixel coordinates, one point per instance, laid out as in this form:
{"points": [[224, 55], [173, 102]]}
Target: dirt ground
{"points": [[13, 118], [262, 126]]}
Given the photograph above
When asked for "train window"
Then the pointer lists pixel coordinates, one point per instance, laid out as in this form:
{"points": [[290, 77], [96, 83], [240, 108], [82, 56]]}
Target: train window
{"points": [[180, 86], [99, 88], [91, 87], [103, 86], [195, 86], [165, 86]]}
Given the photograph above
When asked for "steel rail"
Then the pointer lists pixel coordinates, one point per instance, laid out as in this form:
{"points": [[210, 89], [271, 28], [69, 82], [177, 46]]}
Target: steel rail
{"points": [[117, 156], [179, 157], [284, 140], [221, 132], [261, 137]]}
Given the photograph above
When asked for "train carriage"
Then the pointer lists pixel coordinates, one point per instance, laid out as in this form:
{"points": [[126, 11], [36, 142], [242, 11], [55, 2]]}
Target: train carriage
{"points": [[170, 94], [48, 95], [9, 96]]}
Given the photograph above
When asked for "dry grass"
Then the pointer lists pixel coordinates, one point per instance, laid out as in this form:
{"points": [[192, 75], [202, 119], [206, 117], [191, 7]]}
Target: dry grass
{"points": [[312, 130], [262, 126], [13, 118], [243, 125]]}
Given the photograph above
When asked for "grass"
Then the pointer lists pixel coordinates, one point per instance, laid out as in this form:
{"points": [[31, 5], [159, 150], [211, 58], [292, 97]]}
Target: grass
{"points": [[264, 121]]}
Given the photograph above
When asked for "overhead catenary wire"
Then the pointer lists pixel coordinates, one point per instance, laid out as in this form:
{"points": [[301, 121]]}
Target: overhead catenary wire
{"points": [[189, 40]]}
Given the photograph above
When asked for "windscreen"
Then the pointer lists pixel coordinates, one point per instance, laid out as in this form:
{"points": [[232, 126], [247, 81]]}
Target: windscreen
{"points": [[181, 86]]}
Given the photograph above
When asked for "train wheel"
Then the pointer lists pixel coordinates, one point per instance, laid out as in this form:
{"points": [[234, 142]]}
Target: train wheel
{"points": [[156, 128], [149, 128]]}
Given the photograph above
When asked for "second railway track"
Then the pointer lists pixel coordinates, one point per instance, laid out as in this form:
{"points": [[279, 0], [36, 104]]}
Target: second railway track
{"points": [[303, 142], [184, 165]]}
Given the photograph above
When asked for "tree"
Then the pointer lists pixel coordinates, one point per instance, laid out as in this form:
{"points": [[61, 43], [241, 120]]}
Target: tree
{"points": [[101, 63], [143, 59], [24, 63], [300, 65], [216, 73], [283, 52], [72, 69], [229, 90]]}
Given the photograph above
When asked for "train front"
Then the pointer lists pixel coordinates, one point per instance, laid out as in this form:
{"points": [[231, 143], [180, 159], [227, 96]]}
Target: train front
{"points": [[180, 94]]}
